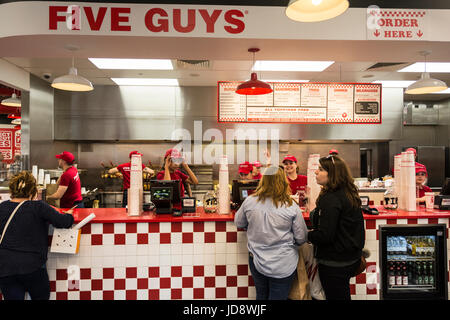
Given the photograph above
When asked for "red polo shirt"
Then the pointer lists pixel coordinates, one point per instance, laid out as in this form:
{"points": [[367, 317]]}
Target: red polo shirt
{"points": [[124, 169], [421, 191], [176, 175], [298, 184], [71, 180]]}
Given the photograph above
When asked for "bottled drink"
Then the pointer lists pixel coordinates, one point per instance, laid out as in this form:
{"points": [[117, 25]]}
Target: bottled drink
{"points": [[391, 276], [419, 277], [410, 272], [425, 274], [404, 274], [398, 274], [431, 273]]}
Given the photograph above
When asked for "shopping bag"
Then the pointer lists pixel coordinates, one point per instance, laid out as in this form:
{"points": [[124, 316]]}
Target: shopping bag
{"points": [[312, 270], [300, 285], [68, 240]]}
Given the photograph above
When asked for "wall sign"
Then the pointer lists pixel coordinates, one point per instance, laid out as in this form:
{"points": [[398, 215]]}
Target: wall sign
{"points": [[302, 103], [9, 144], [396, 24]]}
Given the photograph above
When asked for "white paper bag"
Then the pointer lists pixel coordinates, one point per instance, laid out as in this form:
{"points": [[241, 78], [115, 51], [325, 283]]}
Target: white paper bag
{"points": [[66, 241]]}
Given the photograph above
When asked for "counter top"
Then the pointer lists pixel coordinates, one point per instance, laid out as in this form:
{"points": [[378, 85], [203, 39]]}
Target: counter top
{"points": [[119, 215]]}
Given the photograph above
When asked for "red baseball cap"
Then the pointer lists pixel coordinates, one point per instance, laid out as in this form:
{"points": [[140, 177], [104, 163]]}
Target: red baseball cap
{"points": [[135, 152], [245, 167], [290, 158], [421, 168], [257, 164], [173, 153], [66, 156], [413, 150], [333, 151]]}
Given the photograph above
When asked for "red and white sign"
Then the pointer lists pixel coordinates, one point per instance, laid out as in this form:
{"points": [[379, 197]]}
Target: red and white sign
{"points": [[396, 24], [319, 103], [9, 143]]}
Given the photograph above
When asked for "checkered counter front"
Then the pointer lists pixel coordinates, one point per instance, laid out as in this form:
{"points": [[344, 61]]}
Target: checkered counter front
{"points": [[179, 260]]}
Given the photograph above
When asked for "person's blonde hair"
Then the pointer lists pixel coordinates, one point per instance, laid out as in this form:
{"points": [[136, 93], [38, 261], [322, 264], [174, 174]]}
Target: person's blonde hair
{"points": [[23, 185], [275, 186]]}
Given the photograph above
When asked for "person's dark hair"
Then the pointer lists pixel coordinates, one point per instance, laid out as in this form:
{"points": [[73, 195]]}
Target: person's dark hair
{"points": [[339, 177], [23, 185], [446, 188]]}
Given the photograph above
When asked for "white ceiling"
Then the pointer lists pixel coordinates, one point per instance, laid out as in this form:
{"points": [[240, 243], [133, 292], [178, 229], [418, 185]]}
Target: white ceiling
{"points": [[229, 58]]}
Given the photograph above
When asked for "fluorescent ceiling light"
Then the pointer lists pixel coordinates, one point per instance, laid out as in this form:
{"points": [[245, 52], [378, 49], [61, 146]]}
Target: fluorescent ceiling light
{"points": [[433, 67], [264, 65], [394, 83], [132, 64], [145, 82]]}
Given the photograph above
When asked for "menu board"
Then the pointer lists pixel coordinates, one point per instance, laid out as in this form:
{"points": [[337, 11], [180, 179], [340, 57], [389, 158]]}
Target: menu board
{"points": [[9, 144], [302, 103]]}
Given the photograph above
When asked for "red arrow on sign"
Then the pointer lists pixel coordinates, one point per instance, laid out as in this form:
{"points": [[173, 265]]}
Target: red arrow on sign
{"points": [[420, 33], [377, 33]]}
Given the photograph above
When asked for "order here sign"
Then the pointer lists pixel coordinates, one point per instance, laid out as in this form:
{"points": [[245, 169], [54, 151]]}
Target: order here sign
{"points": [[396, 24]]}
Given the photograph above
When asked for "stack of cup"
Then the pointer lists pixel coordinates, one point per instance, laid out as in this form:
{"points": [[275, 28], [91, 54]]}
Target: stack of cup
{"points": [[135, 193], [313, 188], [224, 191], [409, 187], [397, 184], [429, 201]]}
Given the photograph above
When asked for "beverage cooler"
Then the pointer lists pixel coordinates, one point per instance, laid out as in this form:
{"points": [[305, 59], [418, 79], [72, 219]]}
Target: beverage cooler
{"points": [[413, 262]]}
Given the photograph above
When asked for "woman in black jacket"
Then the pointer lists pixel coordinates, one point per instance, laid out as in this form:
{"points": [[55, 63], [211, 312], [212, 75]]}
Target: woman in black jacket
{"points": [[338, 228], [24, 246]]}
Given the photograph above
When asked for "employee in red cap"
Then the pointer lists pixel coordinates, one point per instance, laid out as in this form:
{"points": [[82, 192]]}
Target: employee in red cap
{"points": [[333, 152], [245, 171], [124, 169], [173, 160], [69, 184], [297, 182], [257, 170], [421, 180]]}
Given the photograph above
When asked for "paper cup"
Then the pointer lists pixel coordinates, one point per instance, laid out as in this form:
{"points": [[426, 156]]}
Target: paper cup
{"points": [[429, 200]]}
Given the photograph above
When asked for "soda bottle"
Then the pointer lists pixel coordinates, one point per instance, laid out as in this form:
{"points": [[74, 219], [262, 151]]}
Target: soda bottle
{"points": [[419, 278], [425, 273], [391, 276], [404, 274], [410, 272], [398, 274], [431, 273]]}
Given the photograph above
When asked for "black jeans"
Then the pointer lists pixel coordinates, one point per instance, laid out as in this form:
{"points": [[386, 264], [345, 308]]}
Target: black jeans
{"points": [[36, 284], [336, 280], [268, 288]]}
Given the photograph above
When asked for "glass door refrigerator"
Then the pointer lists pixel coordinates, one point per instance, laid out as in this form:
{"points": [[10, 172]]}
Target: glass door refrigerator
{"points": [[413, 262]]}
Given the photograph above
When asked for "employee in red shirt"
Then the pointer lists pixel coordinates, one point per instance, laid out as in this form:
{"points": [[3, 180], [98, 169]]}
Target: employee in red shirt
{"points": [[69, 184], [124, 169], [421, 180], [333, 152], [257, 170], [173, 159], [297, 182], [245, 171]]}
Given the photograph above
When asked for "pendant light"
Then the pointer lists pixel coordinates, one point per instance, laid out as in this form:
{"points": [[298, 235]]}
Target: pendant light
{"points": [[426, 84], [14, 116], [253, 86], [315, 10], [72, 81], [13, 101]]}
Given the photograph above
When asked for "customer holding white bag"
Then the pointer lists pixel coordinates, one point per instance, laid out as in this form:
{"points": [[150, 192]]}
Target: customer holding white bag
{"points": [[24, 240], [338, 228], [275, 229]]}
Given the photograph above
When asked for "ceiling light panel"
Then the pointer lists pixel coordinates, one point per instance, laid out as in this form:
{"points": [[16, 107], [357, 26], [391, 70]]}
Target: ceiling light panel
{"points": [[434, 67], [132, 64], [267, 65], [145, 82], [394, 83]]}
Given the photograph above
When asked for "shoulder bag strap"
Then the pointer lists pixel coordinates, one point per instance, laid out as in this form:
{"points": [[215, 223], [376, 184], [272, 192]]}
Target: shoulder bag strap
{"points": [[9, 220]]}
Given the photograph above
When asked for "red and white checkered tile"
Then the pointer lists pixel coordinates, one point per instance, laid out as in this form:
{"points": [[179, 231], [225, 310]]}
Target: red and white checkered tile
{"points": [[189, 260]]}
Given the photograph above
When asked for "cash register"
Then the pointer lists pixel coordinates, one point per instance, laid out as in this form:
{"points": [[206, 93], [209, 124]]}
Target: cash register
{"points": [[164, 194], [241, 189]]}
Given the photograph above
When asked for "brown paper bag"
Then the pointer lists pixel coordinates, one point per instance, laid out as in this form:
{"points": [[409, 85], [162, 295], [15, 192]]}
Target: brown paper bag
{"points": [[51, 189], [300, 284]]}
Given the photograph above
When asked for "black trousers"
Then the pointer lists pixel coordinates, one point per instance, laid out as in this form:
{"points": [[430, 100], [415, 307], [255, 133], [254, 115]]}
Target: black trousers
{"points": [[336, 280], [36, 284]]}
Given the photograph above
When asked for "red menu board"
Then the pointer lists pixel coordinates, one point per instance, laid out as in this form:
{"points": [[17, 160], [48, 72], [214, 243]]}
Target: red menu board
{"points": [[9, 143], [302, 102]]}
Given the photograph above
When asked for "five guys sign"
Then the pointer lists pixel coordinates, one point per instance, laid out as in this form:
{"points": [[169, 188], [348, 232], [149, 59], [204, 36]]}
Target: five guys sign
{"points": [[156, 19]]}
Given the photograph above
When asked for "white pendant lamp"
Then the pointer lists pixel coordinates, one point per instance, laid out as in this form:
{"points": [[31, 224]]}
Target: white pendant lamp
{"points": [[315, 10], [13, 101], [72, 81], [426, 84]]}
